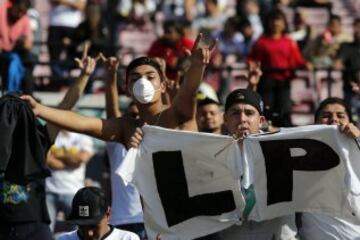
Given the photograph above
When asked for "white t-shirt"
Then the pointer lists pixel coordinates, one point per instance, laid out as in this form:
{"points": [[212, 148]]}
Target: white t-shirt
{"points": [[321, 226], [114, 234], [65, 16], [69, 181], [126, 205]]}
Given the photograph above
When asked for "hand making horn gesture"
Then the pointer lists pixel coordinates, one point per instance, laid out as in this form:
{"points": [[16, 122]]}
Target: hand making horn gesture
{"points": [[111, 63], [200, 55], [254, 74], [86, 64]]}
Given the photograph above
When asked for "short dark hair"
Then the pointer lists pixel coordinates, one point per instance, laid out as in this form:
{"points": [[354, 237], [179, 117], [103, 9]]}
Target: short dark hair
{"points": [[144, 61], [274, 14], [244, 23], [206, 101], [177, 25], [333, 100], [334, 17], [233, 22]]}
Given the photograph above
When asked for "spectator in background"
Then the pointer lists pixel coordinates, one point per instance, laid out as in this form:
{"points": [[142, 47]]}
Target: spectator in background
{"points": [[176, 9], [278, 55], [302, 31], [230, 41], [209, 119], [334, 27], [67, 160], [171, 47], [264, 6], [136, 11], [209, 116], [322, 50], [91, 213], [16, 40], [34, 53], [249, 37], [212, 21], [348, 60], [251, 12], [92, 30], [64, 17], [35, 23]]}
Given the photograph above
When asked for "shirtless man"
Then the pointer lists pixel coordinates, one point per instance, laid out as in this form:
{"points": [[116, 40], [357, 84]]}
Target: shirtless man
{"points": [[145, 84]]}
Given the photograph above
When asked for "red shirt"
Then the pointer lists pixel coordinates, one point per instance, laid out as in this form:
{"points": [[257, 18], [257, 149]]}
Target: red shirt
{"points": [[170, 54], [281, 54], [10, 34]]}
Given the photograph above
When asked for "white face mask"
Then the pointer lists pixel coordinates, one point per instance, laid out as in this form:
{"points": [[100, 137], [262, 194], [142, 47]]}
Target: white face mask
{"points": [[143, 90]]}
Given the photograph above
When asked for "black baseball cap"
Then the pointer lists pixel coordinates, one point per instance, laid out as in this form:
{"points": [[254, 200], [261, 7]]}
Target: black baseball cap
{"points": [[246, 96], [88, 207]]}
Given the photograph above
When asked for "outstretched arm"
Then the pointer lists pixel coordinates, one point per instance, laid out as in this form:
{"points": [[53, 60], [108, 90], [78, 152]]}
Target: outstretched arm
{"points": [[184, 102], [107, 130]]}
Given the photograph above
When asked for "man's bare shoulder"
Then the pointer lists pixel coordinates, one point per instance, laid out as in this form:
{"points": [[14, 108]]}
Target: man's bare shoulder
{"points": [[171, 119]]}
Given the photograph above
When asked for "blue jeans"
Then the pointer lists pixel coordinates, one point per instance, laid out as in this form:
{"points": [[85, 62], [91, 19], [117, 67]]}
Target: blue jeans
{"points": [[15, 71], [58, 202]]}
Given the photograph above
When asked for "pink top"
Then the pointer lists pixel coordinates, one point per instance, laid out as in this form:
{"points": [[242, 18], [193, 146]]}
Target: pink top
{"points": [[10, 34]]}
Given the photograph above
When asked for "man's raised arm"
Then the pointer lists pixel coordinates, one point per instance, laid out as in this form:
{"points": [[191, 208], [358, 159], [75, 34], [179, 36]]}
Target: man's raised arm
{"points": [[185, 101]]}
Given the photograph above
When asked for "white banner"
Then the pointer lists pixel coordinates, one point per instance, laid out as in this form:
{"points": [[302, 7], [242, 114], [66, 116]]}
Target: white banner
{"points": [[313, 168], [190, 186], [189, 182]]}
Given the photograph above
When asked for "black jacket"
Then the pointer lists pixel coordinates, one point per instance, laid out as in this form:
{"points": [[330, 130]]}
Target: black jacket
{"points": [[24, 142]]}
